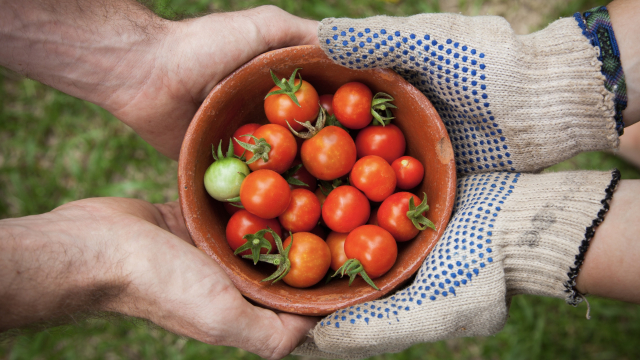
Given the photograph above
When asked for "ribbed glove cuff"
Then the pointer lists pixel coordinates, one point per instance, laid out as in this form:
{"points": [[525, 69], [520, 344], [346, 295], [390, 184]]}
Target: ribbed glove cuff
{"points": [[546, 228]]}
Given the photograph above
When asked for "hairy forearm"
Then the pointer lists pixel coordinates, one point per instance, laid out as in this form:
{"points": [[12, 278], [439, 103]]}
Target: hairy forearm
{"points": [[85, 48], [47, 275]]}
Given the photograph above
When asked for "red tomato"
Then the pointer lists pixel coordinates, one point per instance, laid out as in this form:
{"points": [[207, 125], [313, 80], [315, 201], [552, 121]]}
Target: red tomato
{"points": [[335, 241], [305, 176], [392, 216], [243, 223], [326, 101], [310, 259], [265, 193], [280, 109], [374, 247], [345, 209], [246, 129], [303, 212], [409, 172], [374, 176], [388, 142], [283, 148], [352, 105], [329, 154]]}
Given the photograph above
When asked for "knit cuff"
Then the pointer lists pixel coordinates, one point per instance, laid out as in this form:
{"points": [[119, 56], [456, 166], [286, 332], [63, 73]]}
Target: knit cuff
{"points": [[596, 26], [547, 227]]}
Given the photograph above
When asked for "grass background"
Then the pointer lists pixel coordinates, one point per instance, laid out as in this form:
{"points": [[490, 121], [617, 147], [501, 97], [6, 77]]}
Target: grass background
{"points": [[55, 148]]}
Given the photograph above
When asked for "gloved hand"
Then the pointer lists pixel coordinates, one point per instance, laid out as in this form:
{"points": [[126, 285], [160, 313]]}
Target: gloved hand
{"points": [[509, 102], [510, 234]]}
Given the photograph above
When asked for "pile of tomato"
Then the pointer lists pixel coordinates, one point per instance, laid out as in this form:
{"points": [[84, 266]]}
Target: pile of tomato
{"points": [[315, 172]]}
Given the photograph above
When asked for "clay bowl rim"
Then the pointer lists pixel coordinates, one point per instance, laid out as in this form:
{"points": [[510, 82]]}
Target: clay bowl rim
{"points": [[258, 293]]}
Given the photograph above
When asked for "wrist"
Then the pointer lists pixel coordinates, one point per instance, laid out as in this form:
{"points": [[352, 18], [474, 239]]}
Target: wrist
{"points": [[53, 267]]}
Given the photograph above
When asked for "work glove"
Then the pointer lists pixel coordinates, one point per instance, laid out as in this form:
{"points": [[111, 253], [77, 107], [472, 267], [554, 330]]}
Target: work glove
{"points": [[510, 234], [509, 102]]}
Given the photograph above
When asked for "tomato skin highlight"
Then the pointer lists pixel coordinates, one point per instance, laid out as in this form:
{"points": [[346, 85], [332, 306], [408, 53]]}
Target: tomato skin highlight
{"points": [[303, 212], [326, 101], [374, 247], [374, 177], [280, 109], [283, 148], [392, 216], [345, 208], [310, 259], [265, 193], [335, 241], [409, 172], [243, 223], [329, 154], [352, 105], [246, 129], [388, 142]]}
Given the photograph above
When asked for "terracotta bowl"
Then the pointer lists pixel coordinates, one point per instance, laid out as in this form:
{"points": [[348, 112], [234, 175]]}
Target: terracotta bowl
{"points": [[237, 100]]}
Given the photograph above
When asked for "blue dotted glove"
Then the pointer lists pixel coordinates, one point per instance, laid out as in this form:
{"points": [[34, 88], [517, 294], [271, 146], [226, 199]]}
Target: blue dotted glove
{"points": [[510, 103], [510, 234]]}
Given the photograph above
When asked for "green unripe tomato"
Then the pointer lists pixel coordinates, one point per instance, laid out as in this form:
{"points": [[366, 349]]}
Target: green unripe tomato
{"points": [[224, 177]]}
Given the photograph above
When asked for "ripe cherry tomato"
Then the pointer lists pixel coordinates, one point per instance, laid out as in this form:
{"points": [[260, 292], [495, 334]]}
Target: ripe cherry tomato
{"points": [[388, 142], [303, 175], [326, 101], [283, 148], [329, 154], [374, 176], [310, 259], [335, 241], [246, 129], [243, 223], [409, 172], [352, 105], [265, 193], [345, 209], [303, 212], [392, 216], [280, 109], [374, 247]]}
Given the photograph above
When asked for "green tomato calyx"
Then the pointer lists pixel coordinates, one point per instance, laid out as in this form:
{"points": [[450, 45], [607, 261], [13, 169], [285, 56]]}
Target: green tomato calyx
{"points": [[352, 268], [287, 87], [255, 243], [415, 214], [381, 108], [281, 260], [260, 149]]}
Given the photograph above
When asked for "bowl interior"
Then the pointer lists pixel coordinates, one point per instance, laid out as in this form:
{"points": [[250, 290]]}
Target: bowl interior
{"points": [[238, 100]]}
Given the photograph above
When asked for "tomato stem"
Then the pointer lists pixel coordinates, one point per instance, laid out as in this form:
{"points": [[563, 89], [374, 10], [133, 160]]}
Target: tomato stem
{"points": [[352, 268], [415, 214], [312, 129], [281, 260]]}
